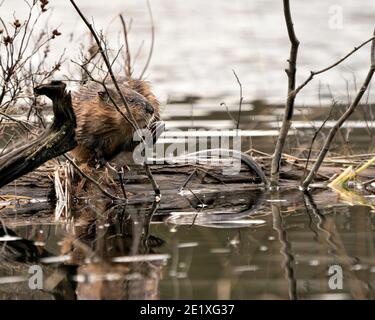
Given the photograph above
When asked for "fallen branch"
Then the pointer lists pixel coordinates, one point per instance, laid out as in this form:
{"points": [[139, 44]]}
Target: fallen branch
{"points": [[56, 140]]}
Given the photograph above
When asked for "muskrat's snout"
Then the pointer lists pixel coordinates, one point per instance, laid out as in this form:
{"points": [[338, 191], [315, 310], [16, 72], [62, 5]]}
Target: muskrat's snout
{"points": [[149, 108], [138, 101]]}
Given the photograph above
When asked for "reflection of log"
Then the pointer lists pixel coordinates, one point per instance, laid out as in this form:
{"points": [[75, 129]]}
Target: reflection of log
{"points": [[18, 255], [58, 139]]}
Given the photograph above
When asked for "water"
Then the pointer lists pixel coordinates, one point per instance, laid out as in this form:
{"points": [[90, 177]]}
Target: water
{"points": [[281, 249], [284, 254], [198, 43]]}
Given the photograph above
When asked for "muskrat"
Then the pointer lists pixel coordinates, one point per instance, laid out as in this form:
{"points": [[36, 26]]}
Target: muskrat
{"points": [[102, 132]]}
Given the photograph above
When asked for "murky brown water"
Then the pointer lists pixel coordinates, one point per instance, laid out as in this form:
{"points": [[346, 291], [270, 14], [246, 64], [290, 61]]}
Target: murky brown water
{"points": [[285, 248], [284, 251]]}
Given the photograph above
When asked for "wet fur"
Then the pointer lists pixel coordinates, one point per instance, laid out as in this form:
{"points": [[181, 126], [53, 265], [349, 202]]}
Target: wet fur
{"points": [[102, 132]]}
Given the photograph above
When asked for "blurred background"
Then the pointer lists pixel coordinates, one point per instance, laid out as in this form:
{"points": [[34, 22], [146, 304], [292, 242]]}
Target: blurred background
{"points": [[198, 43]]}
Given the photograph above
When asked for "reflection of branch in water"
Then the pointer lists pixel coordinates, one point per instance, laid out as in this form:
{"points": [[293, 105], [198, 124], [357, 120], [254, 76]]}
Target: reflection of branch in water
{"points": [[225, 215], [176, 259], [16, 258], [123, 264], [140, 229], [95, 251], [316, 220], [327, 227], [180, 267], [285, 250], [148, 219]]}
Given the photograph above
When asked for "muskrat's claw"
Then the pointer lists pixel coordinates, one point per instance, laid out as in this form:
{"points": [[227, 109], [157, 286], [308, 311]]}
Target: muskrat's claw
{"points": [[156, 128], [112, 167], [108, 179], [100, 163]]}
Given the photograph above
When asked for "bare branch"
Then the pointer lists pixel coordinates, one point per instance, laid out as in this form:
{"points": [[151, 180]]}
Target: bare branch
{"points": [[289, 106], [314, 73], [314, 138], [128, 68], [341, 120], [152, 41], [241, 100]]}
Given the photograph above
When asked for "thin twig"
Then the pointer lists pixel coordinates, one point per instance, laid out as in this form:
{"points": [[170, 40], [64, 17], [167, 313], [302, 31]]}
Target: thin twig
{"points": [[229, 113], [187, 180], [314, 138], [121, 178], [241, 100], [314, 73], [152, 40], [196, 197], [130, 117], [366, 183], [96, 183], [128, 68], [341, 120]]}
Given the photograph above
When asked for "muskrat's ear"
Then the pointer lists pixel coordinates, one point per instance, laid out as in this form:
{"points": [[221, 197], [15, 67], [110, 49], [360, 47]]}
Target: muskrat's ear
{"points": [[106, 95]]}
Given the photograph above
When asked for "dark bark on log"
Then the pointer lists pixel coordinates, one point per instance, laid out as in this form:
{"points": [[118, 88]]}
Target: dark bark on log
{"points": [[58, 138], [40, 183], [236, 196]]}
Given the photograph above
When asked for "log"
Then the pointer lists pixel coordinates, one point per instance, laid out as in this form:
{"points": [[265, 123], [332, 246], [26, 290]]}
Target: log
{"points": [[55, 141], [182, 191], [39, 184]]}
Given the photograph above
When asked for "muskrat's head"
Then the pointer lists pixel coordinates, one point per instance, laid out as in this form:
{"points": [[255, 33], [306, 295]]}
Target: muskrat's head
{"points": [[141, 109]]}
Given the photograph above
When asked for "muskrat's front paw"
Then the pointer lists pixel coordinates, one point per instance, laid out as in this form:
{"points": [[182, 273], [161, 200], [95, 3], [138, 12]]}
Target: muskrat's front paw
{"points": [[108, 179], [100, 163]]}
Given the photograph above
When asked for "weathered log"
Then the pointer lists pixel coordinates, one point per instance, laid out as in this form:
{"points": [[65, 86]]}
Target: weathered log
{"points": [[40, 182], [181, 191], [56, 140]]}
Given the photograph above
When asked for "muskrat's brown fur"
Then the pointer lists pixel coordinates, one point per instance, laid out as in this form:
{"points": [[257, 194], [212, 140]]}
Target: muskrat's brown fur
{"points": [[102, 132]]}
